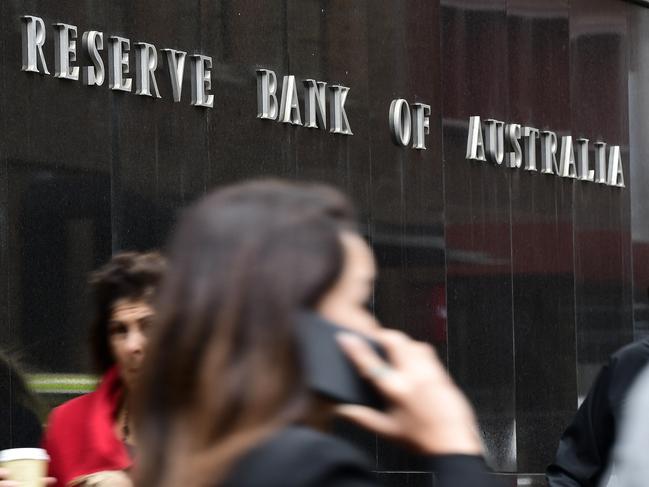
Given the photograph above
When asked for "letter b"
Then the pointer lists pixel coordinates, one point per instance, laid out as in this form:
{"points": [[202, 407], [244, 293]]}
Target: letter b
{"points": [[267, 94]]}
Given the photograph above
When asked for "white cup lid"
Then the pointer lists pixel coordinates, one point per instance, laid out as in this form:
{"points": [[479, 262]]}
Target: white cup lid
{"points": [[23, 454]]}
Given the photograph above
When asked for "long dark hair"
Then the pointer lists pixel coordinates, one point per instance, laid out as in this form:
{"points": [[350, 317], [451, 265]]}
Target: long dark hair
{"points": [[223, 370]]}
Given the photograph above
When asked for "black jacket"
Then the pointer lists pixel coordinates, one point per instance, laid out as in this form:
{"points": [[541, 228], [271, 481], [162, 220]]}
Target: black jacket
{"points": [[585, 447], [303, 457]]}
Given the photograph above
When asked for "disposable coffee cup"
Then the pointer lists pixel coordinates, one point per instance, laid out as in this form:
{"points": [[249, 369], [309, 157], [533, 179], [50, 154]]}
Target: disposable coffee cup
{"points": [[25, 465]]}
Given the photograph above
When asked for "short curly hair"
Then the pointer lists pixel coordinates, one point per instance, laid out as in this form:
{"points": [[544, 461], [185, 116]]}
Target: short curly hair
{"points": [[127, 275]]}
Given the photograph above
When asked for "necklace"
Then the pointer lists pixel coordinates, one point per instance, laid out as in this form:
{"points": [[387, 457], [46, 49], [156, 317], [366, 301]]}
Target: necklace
{"points": [[126, 430]]}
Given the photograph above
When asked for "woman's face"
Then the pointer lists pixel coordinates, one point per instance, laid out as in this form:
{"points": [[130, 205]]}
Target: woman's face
{"points": [[128, 336], [345, 303]]}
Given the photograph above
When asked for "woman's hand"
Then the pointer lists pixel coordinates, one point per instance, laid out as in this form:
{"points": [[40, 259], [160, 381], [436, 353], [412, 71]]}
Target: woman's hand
{"points": [[4, 475], [426, 409], [106, 478]]}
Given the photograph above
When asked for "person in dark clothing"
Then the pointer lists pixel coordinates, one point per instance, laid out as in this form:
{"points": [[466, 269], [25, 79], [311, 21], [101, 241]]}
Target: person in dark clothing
{"points": [[585, 447], [317, 459], [631, 452], [20, 426], [223, 398]]}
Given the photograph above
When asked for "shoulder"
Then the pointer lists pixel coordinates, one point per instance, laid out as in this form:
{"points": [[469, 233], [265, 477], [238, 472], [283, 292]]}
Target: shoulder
{"points": [[71, 409], [302, 438], [301, 456], [98, 406], [68, 416], [624, 367], [627, 362], [104, 400], [634, 352]]}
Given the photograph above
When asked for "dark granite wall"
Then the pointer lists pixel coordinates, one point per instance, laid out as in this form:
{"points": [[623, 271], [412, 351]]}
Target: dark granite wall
{"points": [[524, 282]]}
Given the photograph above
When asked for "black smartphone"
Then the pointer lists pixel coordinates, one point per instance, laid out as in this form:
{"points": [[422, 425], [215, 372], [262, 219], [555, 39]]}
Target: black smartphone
{"points": [[328, 370]]}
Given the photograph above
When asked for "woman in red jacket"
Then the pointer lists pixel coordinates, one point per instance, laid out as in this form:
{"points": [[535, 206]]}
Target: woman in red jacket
{"points": [[90, 438]]}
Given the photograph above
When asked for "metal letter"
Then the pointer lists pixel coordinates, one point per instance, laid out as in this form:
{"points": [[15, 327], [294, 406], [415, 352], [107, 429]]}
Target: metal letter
{"points": [[315, 111], [400, 122], [567, 167], [118, 63], [474, 142], [495, 141], [549, 152], [615, 174], [420, 125], [513, 134], [530, 135], [266, 94], [201, 81], [338, 116], [33, 34], [146, 62], [93, 42], [176, 65], [289, 108], [65, 51], [600, 162], [585, 173]]}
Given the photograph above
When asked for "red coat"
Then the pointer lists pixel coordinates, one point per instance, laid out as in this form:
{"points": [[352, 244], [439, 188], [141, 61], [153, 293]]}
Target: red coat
{"points": [[80, 437]]}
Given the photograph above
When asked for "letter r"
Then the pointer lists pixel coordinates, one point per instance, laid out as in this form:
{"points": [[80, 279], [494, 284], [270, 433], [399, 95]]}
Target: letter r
{"points": [[33, 34]]}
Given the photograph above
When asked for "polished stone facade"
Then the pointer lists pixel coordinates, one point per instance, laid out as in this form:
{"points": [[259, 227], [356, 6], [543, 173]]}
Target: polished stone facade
{"points": [[524, 282]]}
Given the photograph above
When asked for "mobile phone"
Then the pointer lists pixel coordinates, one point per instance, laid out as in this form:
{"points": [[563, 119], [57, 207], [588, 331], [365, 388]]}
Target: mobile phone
{"points": [[328, 370]]}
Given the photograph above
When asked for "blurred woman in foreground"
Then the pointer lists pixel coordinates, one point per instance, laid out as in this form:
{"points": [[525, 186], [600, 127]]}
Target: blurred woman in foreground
{"points": [[224, 400]]}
